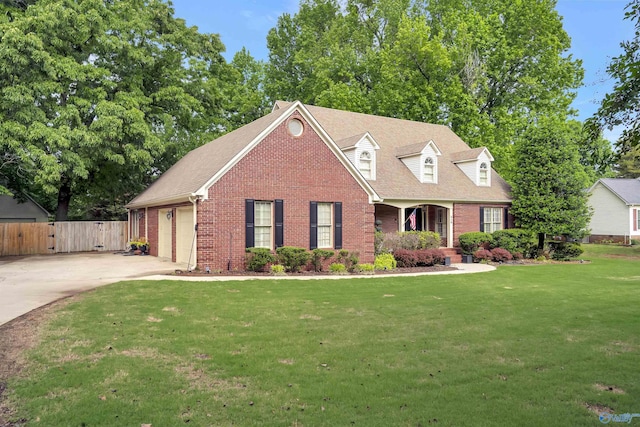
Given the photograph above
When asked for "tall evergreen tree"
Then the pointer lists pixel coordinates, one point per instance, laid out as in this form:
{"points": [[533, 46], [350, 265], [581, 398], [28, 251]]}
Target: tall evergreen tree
{"points": [[549, 191]]}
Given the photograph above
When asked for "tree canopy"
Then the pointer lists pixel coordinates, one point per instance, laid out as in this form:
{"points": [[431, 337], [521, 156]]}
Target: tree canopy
{"points": [[621, 107], [97, 95], [486, 68], [549, 194]]}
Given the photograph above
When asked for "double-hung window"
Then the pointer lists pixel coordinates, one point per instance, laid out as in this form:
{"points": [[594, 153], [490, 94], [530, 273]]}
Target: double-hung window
{"points": [[491, 219], [264, 223], [429, 174], [325, 225], [365, 164], [484, 174]]}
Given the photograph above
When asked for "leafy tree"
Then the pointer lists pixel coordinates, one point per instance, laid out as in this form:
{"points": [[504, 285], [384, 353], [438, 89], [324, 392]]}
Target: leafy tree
{"points": [[485, 68], [549, 194], [99, 96], [629, 164], [621, 106]]}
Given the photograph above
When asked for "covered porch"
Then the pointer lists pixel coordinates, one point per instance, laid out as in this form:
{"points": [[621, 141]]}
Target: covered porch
{"points": [[436, 216]]}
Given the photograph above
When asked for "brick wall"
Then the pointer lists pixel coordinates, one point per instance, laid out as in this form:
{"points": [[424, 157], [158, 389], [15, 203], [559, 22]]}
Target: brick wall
{"points": [[389, 217], [466, 218], [297, 170]]}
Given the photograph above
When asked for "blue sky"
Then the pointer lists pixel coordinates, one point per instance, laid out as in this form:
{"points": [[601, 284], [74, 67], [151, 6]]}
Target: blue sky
{"points": [[596, 28]]}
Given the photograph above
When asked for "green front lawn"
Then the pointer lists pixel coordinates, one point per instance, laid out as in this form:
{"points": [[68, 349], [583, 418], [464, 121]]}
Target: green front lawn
{"points": [[524, 345]]}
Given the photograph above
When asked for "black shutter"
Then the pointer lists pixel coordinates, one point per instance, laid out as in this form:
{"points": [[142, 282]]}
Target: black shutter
{"points": [[279, 234], [506, 218], [249, 223], [337, 231], [481, 219], [313, 228]]}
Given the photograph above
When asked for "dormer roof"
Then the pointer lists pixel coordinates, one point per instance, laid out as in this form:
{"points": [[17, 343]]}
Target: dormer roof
{"points": [[470, 155]]}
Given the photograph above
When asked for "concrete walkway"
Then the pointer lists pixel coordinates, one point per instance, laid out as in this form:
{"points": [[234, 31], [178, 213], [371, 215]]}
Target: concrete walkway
{"points": [[27, 283]]}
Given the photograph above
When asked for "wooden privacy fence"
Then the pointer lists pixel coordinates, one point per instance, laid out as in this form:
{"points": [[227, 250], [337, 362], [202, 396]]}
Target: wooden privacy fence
{"points": [[58, 237]]}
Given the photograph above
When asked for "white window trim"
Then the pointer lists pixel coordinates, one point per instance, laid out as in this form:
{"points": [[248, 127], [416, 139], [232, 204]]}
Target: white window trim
{"points": [[434, 166], [257, 226], [369, 161], [328, 226], [486, 169], [493, 225]]}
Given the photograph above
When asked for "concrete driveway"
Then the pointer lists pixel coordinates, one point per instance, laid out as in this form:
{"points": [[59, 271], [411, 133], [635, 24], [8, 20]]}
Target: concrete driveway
{"points": [[29, 282]]}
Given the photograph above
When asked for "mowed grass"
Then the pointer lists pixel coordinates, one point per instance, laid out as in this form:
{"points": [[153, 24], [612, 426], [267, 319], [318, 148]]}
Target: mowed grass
{"points": [[523, 345]]}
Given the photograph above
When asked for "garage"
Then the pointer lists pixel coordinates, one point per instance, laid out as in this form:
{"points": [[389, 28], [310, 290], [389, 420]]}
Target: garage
{"points": [[164, 233], [185, 236]]}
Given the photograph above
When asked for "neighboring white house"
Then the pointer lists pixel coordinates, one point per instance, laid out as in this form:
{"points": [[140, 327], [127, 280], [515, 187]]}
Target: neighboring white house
{"points": [[616, 210]]}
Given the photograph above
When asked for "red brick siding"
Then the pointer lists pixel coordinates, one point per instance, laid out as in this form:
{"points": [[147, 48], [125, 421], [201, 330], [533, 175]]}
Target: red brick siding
{"points": [[389, 217], [296, 170], [466, 218]]}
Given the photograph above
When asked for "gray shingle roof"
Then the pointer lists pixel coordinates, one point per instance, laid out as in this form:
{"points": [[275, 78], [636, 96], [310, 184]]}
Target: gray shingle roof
{"points": [[628, 190], [393, 179]]}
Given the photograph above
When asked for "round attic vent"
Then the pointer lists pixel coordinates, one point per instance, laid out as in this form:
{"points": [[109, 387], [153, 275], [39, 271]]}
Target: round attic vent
{"points": [[295, 127]]}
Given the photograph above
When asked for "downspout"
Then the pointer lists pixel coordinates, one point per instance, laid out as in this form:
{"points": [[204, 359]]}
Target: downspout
{"points": [[194, 243]]}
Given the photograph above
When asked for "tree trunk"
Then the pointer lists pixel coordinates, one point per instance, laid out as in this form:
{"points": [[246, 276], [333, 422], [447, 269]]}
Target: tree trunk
{"points": [[540, 242], [64, 198]]}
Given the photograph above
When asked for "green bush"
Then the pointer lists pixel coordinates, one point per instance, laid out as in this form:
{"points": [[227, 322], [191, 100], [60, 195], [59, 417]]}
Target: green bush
{"points": [[348, 259], [319, 255], [337, 268], [385, 262], [364, 268], [471, 242], [410, 240], [293, 258], [378, 243], [277, 270], [516, 240], [561, 251], [257, 258]]}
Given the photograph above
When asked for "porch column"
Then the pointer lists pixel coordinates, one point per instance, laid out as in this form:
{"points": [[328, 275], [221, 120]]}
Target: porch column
{"points": [[450, 226], [401, 216]]}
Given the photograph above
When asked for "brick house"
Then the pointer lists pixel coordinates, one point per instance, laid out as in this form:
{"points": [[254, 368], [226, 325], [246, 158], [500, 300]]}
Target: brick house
{"points": [[316, 177]]}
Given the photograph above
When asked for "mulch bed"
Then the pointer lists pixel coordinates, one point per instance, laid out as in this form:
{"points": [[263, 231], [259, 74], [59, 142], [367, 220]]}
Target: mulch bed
{"points": [[435, 268]]}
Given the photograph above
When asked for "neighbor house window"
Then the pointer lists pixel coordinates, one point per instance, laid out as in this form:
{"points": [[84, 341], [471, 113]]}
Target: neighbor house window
{"points": [[429, 170], [490, 219], [484, 174], [365, 164]]}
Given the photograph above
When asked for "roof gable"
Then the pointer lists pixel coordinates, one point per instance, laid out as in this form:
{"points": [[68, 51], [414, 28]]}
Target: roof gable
{"points": [[627, 190], [197, 171]]}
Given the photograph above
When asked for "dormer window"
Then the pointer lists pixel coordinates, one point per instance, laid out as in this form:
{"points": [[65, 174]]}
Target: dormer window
{"points": [[484, 174], [429, 170], [365, 164]]}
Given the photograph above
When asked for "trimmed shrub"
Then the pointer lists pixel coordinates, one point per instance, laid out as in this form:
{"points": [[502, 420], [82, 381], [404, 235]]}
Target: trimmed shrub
{"points": [[293, 258], [482, 255], [385, 262], [411, 240], [278, 270], [406, 257], [471, 242], [516, 240], [501, 255], [561, 251], [257, 258], [378, 243], [365, 268], [319, 255], [349, 259], [419, 258], [337, 268]]}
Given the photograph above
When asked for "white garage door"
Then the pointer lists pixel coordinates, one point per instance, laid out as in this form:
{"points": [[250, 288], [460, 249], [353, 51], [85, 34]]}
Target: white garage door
{"points": [[185, 236], [164, 234]]}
